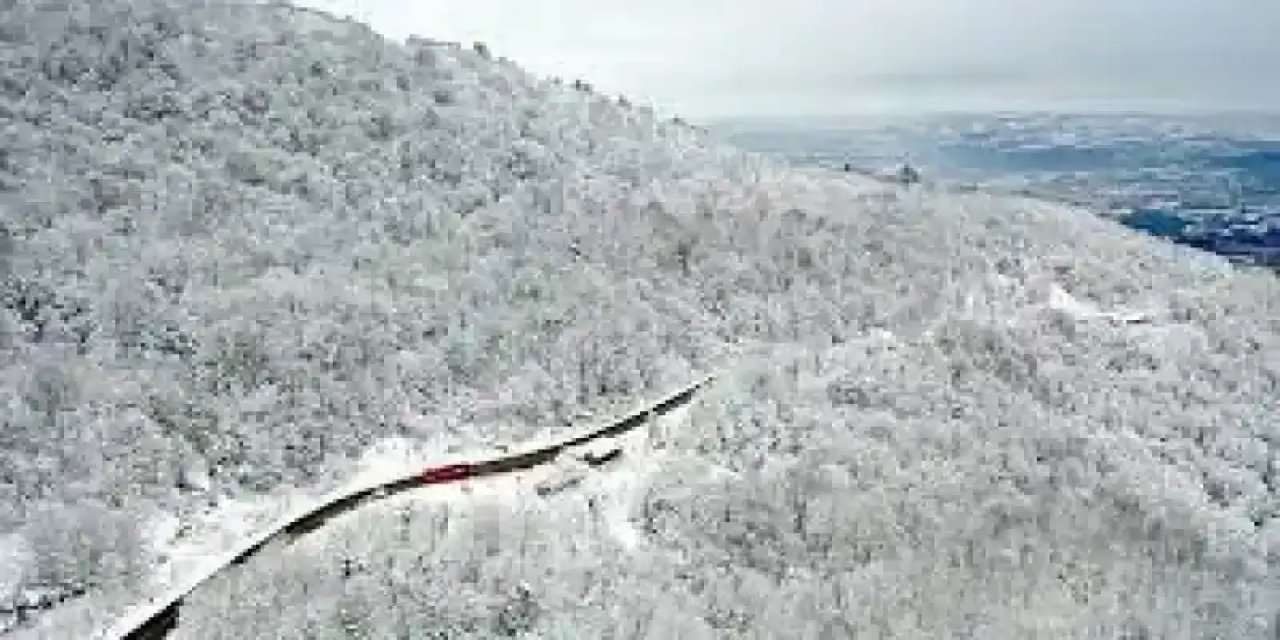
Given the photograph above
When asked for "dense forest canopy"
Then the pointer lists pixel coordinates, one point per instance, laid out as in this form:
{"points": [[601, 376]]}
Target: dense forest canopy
{"points": [[241, 244]]}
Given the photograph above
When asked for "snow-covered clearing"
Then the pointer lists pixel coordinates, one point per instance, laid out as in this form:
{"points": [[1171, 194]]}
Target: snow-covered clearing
{"points": [[577, 490]]}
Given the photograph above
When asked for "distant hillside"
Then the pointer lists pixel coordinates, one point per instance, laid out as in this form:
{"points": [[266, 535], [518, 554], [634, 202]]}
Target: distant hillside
{"points": [[1208, 181], [244, 243]]}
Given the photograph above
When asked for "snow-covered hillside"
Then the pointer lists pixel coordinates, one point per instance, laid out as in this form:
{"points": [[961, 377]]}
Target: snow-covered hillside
{"points": [[242, 244]]}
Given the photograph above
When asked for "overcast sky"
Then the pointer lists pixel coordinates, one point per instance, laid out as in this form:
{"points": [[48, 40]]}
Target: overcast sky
{"points": [[712, 58]]}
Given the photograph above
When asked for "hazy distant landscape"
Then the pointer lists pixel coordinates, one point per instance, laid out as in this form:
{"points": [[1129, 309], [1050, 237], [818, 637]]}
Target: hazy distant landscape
{"points": [[1210, 181]]}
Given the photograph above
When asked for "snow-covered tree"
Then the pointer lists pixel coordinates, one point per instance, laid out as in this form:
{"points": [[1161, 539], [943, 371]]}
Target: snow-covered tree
{"points": [[242, 243]]}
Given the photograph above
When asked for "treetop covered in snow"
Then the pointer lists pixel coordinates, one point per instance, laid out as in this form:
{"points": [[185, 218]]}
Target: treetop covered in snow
{"points": [[241, 244]]}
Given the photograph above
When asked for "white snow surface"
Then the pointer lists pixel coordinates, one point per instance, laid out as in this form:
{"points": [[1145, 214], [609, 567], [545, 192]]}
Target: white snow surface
{"points": [[15, 558]]}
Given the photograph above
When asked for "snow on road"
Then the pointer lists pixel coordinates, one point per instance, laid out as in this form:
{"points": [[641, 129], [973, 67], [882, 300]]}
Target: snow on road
{"points": [[604, 494], [199, 543], [189, 550]]}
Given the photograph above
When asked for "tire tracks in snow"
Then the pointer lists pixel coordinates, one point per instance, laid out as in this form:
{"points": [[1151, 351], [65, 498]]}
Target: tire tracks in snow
{"points": [[157, 618]]}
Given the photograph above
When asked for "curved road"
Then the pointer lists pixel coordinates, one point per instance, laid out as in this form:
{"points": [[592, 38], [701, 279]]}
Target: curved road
{"points": [[160, 617]]}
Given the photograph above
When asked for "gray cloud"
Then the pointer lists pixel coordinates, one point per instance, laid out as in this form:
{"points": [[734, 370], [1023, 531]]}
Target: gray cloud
{"points": [[748, 57]]}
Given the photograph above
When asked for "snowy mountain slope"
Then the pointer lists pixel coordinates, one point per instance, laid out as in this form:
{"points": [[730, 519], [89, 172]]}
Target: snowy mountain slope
{"points": [[258, 240]]}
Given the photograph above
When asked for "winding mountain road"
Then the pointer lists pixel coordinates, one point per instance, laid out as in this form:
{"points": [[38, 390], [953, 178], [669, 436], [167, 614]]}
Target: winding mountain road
{"points": [[159, 617]]}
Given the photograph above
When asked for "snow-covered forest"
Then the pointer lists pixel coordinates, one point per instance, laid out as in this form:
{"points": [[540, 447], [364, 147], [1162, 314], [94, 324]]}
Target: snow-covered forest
{"points": [[242, 244]]}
